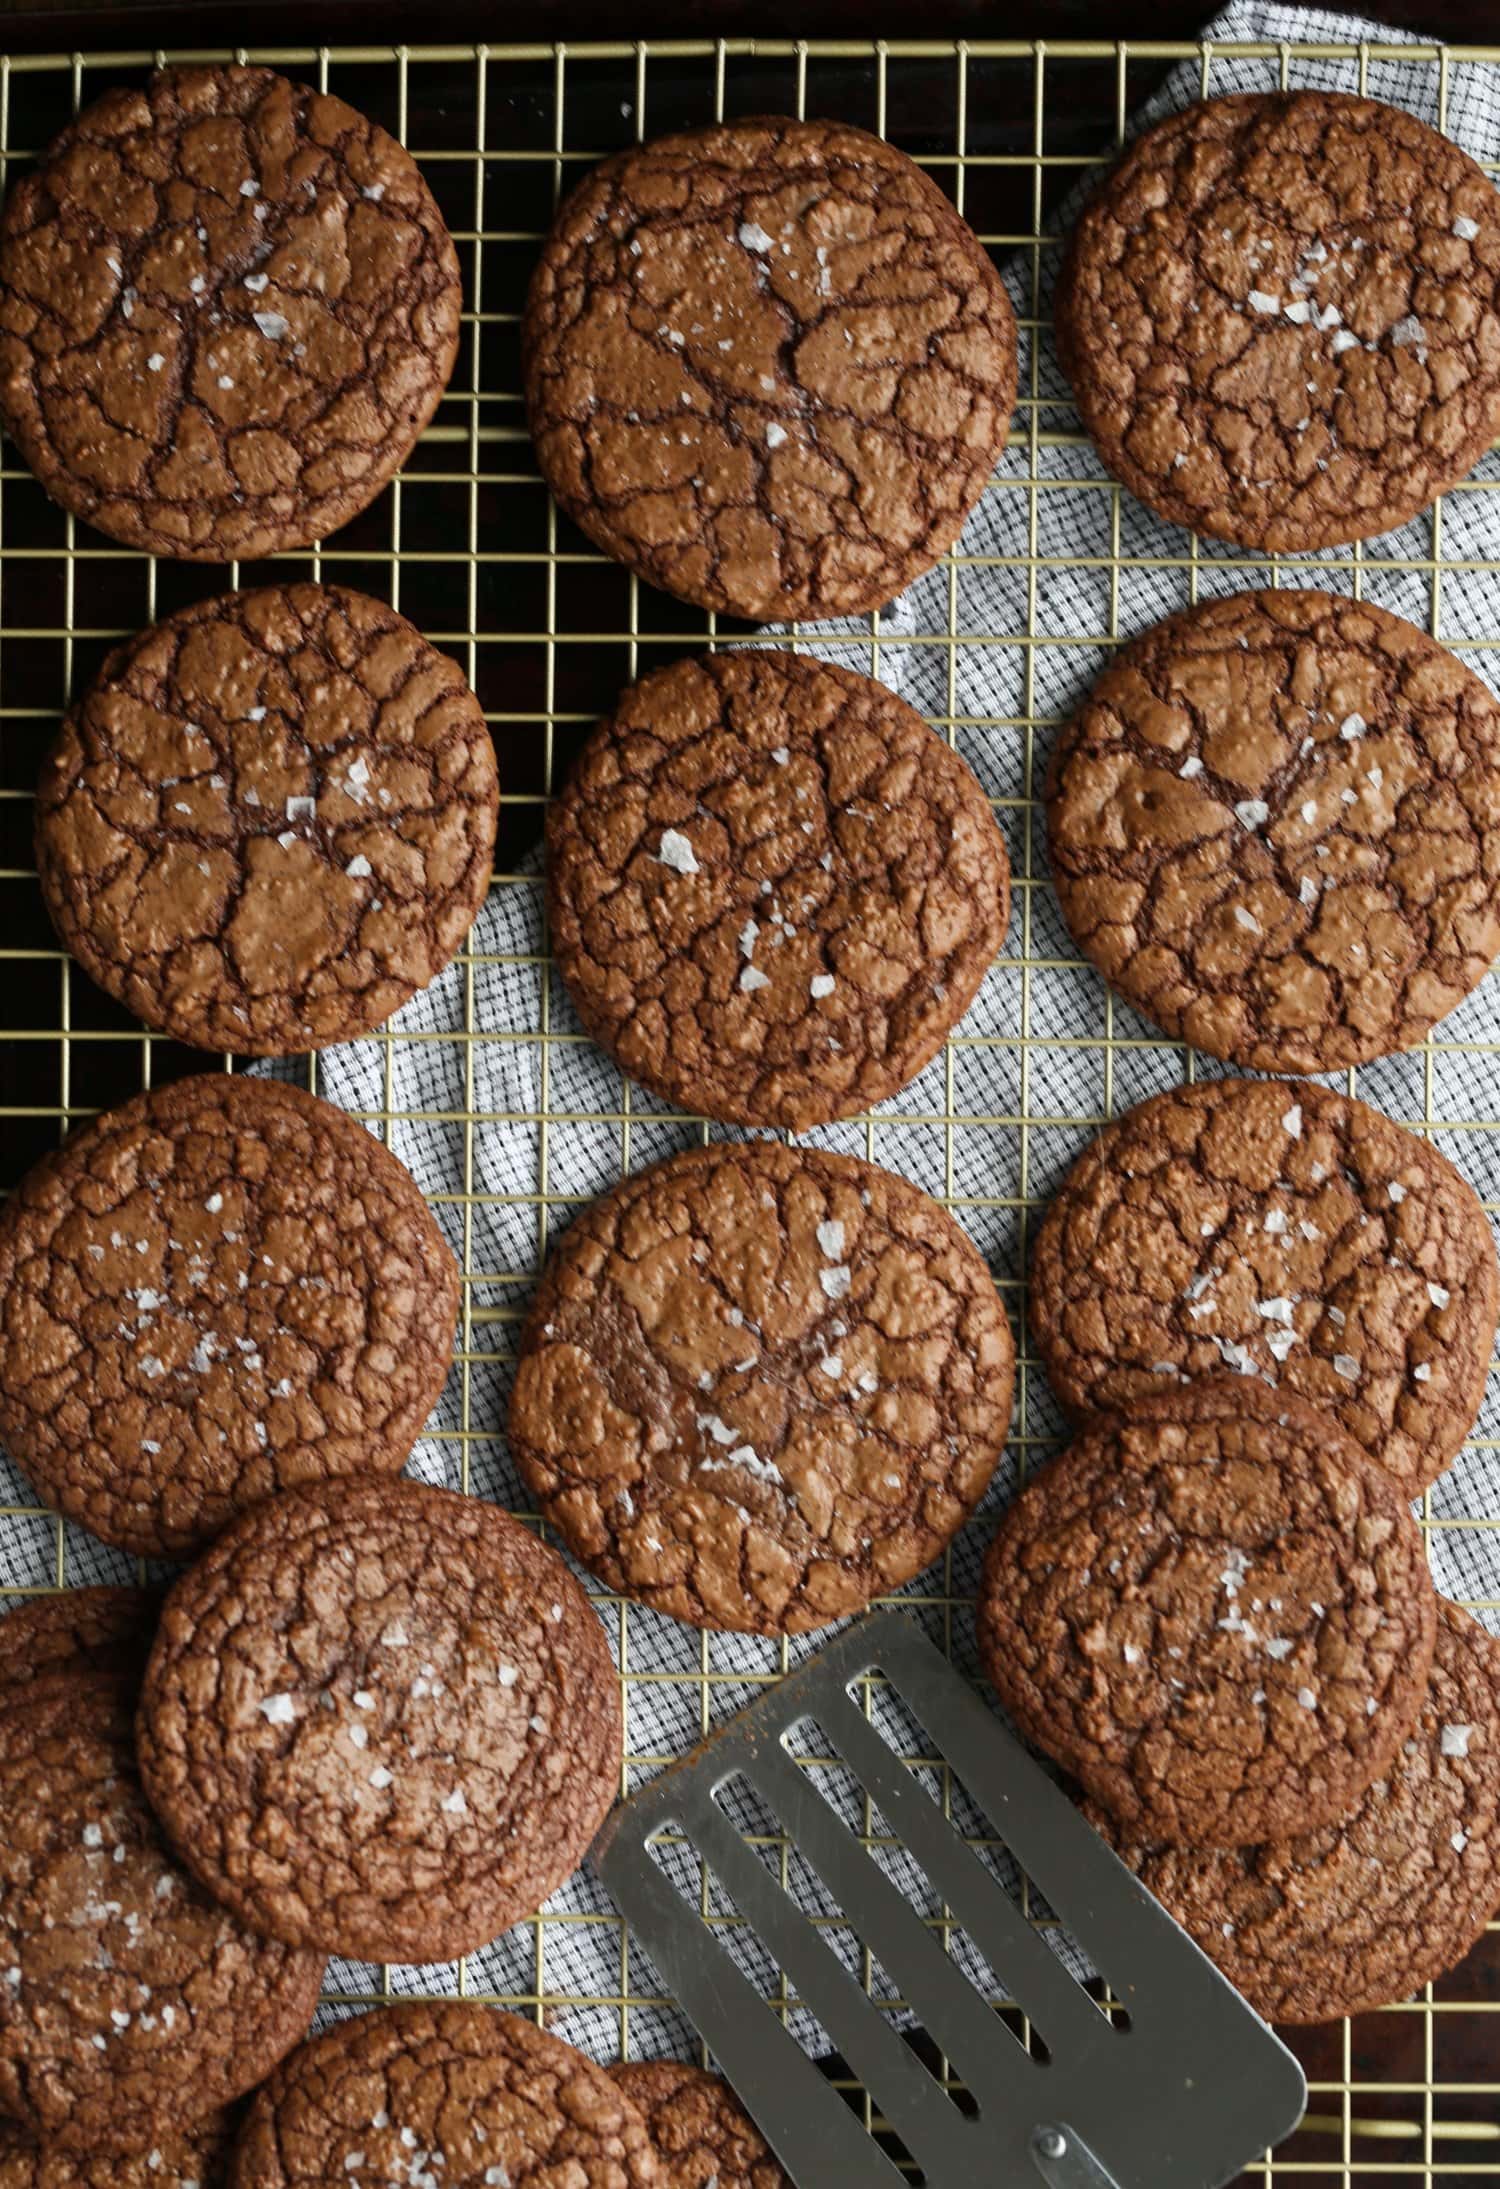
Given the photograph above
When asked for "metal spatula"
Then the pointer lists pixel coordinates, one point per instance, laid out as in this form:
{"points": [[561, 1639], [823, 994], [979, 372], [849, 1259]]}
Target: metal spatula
{"points": [[1181, 2097]]}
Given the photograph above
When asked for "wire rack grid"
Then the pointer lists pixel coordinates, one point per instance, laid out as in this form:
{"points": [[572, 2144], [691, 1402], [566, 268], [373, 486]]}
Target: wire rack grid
{"points": [[467, 543]]}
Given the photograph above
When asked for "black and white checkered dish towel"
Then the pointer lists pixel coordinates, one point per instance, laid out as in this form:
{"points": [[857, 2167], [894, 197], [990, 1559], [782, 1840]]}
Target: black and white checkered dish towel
{"points": [[532, 1133]]}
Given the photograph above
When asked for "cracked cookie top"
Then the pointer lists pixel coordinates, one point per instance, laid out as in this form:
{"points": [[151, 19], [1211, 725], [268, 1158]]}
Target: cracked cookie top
{"points": [[179, 2158], [768, 366], [1373, 1907], [702, 2136], [771, 889], [220, 1289], [75, 1630], [381, 1718], [760, 1385], [124, 1989], [1288, 1233], [1279, 318], [1215, 1612], [270, 820], [442, 2092], [228, 307], [1274, 826]]}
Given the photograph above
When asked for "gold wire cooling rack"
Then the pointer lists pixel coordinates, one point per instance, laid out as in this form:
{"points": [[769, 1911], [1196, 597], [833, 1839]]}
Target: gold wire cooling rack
{"points": [[467, 543]]}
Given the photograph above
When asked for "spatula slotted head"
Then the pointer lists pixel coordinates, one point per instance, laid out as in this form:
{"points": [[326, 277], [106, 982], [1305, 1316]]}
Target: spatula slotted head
{"points": [[1180, 2091]]}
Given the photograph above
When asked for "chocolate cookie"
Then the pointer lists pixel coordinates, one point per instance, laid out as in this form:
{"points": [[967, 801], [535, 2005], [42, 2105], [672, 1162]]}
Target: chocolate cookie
{"points": [[442, 2092], [1285, 1232], [768, 366], [194, 2158], [1278, 317], [771, 889], [1274, 827], [270, 821], [382, 1719], [1215, 1612], [126, 1993], [75, 1630], [1370, 1909], [228, 307], [701, 2134], [221, 1288], [760, 1385]]}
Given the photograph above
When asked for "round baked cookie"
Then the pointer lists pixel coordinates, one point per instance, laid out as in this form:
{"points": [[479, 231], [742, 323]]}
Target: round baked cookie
{"points": [[768, 366], [128, 1992], [1274, 826], [382, 1719], [228, 307], [771, 889], [1279, 318], [1215, 1612], [180, 2158], [702, 2136], [442, 2091], [760, 1385], [75, 1630], [270, 820], [1285, 1232], [1374, 1907], [220, 1289]]}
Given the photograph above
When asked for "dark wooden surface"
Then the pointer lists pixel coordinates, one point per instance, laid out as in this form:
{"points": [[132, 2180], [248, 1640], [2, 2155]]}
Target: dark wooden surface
{"points": [[45, 24]]}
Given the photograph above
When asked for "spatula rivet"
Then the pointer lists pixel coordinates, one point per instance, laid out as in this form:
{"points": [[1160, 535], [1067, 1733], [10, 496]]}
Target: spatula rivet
{"points": [[1052, 2143]]}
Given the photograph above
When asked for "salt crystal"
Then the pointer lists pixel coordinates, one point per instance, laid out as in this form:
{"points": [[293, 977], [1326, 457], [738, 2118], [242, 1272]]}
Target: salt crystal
{"points": [[1454, 1740], [1191, 766], [358, 867], [1439, 1295], [775, 435], [1247, 919], [1262, 301], [831, 1240], [835, 1282], [155, 361], [1307, 1698], [278, 1709], [753, 236], [1345, 1365], [1464, 228], [272, 325], [676, 852], [1292, 1121], [1252, 812]]}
